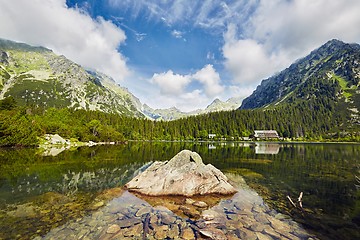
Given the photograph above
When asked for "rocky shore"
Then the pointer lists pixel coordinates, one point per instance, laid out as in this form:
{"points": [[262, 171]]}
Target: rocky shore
{"points": [[242, 216], [54, 144]]}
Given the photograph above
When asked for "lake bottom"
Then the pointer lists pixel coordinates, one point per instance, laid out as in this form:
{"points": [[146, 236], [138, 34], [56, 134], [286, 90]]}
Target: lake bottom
{"points": [[241, 216]]}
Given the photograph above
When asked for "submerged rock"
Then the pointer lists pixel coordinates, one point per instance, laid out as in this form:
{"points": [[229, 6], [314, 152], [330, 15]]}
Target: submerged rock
{"points": [[185, 174], [113, 229]]}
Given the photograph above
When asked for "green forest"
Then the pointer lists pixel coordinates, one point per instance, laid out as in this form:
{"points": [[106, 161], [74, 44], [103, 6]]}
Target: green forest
{"points": [[316, 119]]}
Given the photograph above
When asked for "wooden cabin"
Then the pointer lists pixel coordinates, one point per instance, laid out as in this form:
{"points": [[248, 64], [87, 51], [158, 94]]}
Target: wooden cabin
{"points": [[266, 134]]}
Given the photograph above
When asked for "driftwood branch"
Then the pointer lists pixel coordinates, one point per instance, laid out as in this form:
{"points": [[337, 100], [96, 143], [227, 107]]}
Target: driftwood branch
{"points": [[358, 181], [299, 201], [291, 201]]}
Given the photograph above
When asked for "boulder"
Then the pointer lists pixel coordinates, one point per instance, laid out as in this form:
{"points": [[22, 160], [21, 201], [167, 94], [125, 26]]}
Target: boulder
{"points": [[185, 174]]}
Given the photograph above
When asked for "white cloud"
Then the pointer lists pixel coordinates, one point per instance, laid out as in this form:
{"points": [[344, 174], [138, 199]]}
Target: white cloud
{"points": [[138, 35], [305, 24], [186, 102], [210, 56], [246, 59], [183, 91], [281, 31], [240, 92], [90, 42], [213, 14], [177, 34], [210, 79], [170, 83]]}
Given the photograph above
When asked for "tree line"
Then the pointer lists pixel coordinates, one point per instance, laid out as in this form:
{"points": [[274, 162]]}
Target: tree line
{"points": [[312, 119]]}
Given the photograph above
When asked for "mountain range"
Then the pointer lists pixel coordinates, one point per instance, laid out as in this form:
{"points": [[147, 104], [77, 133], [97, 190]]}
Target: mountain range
{"points": [[37, 76], [173, 113]]}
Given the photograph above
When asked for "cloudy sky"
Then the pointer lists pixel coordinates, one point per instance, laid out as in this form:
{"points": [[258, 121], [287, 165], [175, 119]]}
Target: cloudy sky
{"points": [[182, 53]]}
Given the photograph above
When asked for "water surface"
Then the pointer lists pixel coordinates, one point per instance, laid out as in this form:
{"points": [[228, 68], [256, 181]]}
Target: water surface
{"points": [[64, 187]]}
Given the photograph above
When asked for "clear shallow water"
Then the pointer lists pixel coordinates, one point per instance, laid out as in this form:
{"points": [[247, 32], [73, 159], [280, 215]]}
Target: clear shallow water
{"points": [[72, 180]]}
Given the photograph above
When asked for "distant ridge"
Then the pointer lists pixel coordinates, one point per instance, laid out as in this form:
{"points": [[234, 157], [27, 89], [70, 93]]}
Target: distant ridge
{"points": [[173, 113]]}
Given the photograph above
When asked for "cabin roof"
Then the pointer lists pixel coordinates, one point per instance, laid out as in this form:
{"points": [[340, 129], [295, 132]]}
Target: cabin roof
{"points": [[266, 134]]}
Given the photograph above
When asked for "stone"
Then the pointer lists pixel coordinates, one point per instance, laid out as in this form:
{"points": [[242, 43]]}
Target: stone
{"points": [[231, 236], [261, 218], [110, 218], [261, 236], [161, 208], [113, 229], [83, 233], [185, 174], [135, 231], [129, 222], [160, 231], [270, 231], [143, 211], [120, 216], [189, 201], [92, 223], [213, 233], [167, 219], [257, 227], [246, 234], [146, 224], [201, 224], [281, 216], [173, 231], [190, 212], [200, 204], [279, 226], [24, 211], [209, 215], [154, 219], [232, 217], [301, 233], [97, 205], [187, 233]]}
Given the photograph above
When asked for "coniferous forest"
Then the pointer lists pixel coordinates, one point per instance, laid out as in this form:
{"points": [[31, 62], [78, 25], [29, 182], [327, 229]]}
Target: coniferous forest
{"points": [[316, 119]]}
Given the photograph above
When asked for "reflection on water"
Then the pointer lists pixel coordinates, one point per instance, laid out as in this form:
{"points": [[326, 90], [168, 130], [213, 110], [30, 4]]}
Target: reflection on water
{"points": [[325, 173], [54, 151], [267, 148], [258, 147], [211, 146]]}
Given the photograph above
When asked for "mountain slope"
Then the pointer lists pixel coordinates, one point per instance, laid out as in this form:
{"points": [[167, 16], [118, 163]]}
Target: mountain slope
{"points": [[335, 66], [328, 79], [37, 76]]}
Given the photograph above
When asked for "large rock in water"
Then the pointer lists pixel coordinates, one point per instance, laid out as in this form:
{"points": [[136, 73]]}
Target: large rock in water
{"points": [[185, 174]]}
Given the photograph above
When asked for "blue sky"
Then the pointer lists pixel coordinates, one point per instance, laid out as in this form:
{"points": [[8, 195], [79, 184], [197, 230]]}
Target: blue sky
{"points": [[182, 53]]}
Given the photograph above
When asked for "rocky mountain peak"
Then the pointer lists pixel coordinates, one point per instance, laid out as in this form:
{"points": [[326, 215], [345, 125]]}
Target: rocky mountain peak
{"points": [[37, 76], [335, 62], [216, 101]]}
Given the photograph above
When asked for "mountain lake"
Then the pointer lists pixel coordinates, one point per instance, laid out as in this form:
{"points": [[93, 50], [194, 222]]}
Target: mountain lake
{"points": [[73, 194]]}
